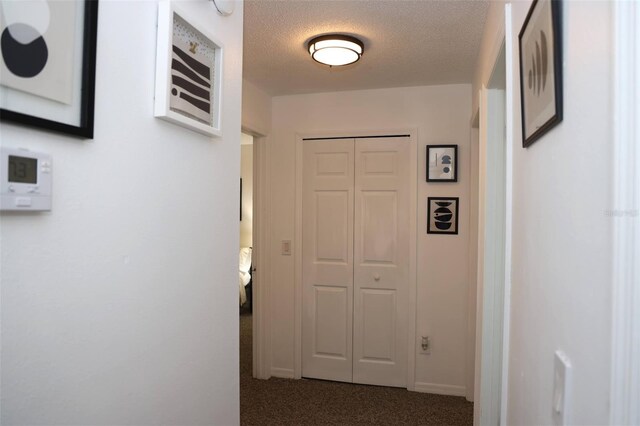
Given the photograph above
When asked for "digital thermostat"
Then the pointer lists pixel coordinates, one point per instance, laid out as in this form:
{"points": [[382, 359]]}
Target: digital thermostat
{"points": [[25, 180]]}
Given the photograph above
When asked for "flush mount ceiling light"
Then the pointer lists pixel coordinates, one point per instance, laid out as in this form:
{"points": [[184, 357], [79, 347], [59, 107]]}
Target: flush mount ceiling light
{"points": [[335, 49]]}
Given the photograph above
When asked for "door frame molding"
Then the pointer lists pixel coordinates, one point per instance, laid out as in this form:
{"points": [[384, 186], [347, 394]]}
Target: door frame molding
{"points": [[261, 341], [509, 123], [496, 257], [625, 351], [413, 240]]}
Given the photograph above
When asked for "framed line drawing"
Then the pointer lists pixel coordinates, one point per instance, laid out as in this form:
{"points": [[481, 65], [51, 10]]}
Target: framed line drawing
{"points": [[188, 72], [48, 66], [540, 70], [442, 215], [442, 163]]}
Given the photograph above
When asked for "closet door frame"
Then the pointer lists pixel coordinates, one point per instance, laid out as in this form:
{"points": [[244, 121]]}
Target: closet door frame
{"points": [[297, 246]]}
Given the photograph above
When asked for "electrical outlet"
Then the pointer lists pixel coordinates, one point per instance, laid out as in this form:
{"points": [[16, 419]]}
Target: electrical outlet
{"points": [[425, 344]]}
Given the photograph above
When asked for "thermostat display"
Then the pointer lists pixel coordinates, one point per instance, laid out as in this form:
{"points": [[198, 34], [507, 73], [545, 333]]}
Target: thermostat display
{"points": [[23, 169], [25, 180]]}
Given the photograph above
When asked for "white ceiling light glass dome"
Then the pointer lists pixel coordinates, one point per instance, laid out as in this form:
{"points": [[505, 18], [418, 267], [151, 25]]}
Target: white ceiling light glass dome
{"points": [[335, 49]]}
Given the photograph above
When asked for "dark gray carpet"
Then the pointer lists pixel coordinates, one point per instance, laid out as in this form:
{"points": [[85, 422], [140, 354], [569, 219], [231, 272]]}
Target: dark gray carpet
{"points": [[317, 402]]}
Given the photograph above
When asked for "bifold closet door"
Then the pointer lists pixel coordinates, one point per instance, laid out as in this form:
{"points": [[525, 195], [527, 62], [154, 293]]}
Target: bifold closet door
{"points": [[327, 265], [381, 261], [355, 271]]}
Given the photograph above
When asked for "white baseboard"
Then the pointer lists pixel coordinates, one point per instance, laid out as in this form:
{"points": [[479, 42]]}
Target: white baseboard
{"points": [[440, 389], [284, 373]]}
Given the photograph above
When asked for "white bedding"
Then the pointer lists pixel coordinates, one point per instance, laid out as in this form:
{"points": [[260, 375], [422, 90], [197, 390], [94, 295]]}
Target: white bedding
{"points": [[243, 292], [244, 273]]}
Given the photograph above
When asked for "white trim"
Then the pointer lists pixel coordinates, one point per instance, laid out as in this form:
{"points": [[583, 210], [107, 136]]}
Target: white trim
{"points": [[472, 273], [261, 262], [439, 389], [482, 94], [491, 256], [297, 251], [625, 365], [412, 295], [284, 373], [494, 241], [508, 219], [297, 264], [261, 321]]}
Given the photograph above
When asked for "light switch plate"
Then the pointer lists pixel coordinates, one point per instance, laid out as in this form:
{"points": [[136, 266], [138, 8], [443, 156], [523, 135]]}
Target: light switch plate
{"points": [[425, 345], [286, 247], [561, 389]]}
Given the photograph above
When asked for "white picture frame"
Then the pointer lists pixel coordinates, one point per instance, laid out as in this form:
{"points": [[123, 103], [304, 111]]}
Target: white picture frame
{"points": [[189, 59]]}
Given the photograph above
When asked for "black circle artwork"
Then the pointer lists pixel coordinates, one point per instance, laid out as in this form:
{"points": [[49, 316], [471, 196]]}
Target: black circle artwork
{"points": [[24, 60], [443, 215], [446, 159]]}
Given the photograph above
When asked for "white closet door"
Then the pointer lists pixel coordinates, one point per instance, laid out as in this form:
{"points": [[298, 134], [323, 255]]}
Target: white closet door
{"points": [[327, 245], [381, 261]]}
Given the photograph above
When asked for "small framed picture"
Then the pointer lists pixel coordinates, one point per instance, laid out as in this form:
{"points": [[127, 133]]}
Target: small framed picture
{"points": [[540, 70], [48, 66], [442, 215], [442, 163], [188, 72]]}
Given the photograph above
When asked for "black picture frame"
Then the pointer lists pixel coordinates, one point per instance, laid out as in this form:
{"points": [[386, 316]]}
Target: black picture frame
{"points": [[540, 53], [430, 169], [85, 125], [240, 199], [434, 206]]}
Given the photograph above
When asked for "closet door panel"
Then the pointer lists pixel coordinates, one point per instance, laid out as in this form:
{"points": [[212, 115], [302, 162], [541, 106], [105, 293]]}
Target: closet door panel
{"points": [[327, 247], [381, 261]]}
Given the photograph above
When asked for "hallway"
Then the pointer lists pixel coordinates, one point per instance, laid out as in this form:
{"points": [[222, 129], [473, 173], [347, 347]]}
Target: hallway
{"points": [[315, 402]]}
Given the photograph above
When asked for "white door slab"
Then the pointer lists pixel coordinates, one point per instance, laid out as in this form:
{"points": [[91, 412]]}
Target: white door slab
{"points": [[327, 269], [381, 261]]}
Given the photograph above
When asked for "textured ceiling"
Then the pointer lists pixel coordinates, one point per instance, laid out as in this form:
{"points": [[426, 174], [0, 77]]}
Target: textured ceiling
{"points": [[407, 43]]}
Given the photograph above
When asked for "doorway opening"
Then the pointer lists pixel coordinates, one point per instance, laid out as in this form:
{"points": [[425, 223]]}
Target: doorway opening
{"points": [[245, 262], [246, 222]]}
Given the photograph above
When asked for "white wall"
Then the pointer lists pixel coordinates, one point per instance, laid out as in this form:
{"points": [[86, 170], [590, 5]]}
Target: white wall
{"points": [[119, 307], [561, 274], [441, 115], [246, 173], [256, 109]]}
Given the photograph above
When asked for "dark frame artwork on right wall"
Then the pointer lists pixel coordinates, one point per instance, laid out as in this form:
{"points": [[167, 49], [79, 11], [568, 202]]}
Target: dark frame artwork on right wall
{"points": [[442, 163], [540, 45], [442, 215]]}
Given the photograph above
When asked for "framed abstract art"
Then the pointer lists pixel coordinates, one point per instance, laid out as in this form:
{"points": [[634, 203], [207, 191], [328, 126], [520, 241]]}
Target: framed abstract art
{"points": [[47, 72], [540, 70], [442, 215], [442, 163], [188, 72]]}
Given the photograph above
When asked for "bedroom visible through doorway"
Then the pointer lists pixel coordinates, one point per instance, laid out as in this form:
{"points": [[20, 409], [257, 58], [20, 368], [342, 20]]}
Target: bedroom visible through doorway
{"points": [[246, 224]]}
